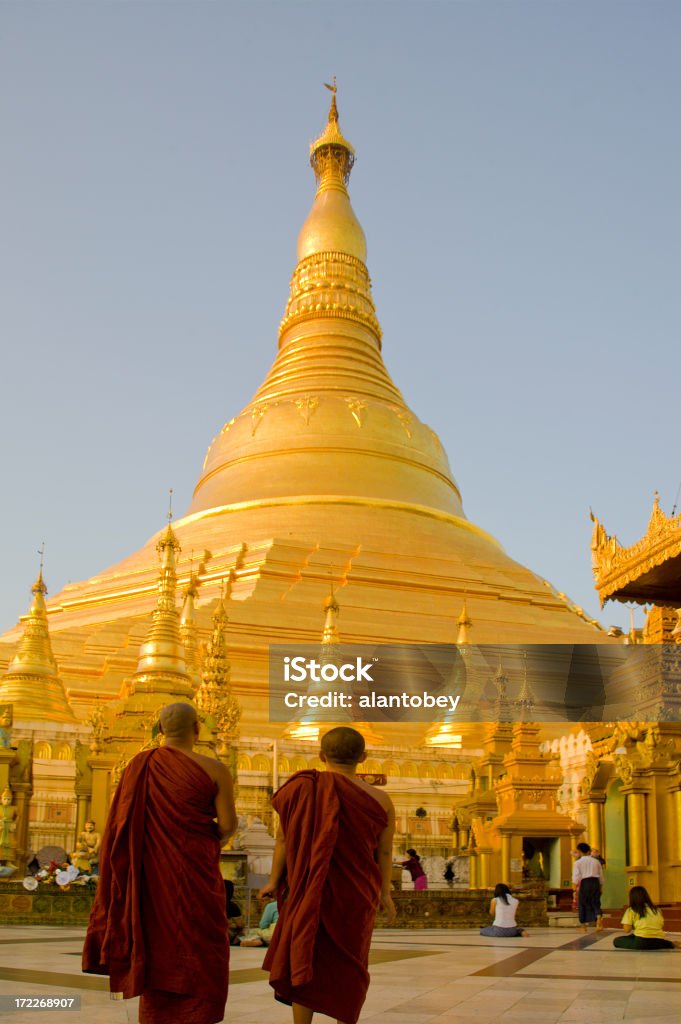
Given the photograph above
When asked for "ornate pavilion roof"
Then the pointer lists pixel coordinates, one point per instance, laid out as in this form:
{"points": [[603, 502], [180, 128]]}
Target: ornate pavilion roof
{"points": [[648, 572]]}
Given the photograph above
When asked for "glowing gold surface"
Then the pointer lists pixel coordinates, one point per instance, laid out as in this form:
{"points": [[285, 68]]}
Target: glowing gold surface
{"points": [[326, 473], [332, 226], [32, 682]]}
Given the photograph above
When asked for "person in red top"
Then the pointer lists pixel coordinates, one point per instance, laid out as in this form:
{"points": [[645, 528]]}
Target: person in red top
{"points": [[331, 869], [158, 925], [413, 866]]}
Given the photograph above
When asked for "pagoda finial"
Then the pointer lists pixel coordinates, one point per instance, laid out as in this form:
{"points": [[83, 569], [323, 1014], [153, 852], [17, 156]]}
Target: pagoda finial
{"points": [[325, 285], [331, 634], [163, 650], [502, 704], [333, 109], [525, 701], [188, 628], [331, 155], [465, 625], [39, 585], [32, 682]]}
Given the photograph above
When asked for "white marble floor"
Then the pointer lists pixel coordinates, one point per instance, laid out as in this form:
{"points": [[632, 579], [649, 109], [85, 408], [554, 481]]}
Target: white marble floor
{"points": [[555, 976]]}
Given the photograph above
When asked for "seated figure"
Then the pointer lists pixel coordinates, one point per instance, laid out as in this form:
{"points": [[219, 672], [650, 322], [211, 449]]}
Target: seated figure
{"points": [[86, 855], [262, 935]]}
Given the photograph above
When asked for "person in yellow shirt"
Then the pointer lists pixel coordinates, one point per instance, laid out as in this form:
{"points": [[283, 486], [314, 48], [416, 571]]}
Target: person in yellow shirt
{"points": [[643, 923]]}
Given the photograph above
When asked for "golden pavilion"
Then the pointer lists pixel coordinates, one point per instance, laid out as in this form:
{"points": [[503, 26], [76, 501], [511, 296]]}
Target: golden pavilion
{"points": [[326, 483]]}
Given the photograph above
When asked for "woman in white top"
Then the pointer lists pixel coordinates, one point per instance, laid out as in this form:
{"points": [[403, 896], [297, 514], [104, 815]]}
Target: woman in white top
{"points": [[503, 906]]}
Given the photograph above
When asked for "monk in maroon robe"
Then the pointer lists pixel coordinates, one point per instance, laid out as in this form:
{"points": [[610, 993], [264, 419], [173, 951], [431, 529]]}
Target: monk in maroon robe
{"points": [[158, 926], [331, 868]]}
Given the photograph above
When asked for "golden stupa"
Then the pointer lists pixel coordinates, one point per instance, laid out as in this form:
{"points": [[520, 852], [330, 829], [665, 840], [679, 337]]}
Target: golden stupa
{"points": [[326, 512], [325, 478]]}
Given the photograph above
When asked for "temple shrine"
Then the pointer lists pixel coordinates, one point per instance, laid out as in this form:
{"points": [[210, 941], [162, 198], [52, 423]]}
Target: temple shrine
{"points": [[326, 510]]}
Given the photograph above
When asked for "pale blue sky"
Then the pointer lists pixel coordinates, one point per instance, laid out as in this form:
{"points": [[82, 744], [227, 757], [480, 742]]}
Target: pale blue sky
{"points": [[518, 182]]}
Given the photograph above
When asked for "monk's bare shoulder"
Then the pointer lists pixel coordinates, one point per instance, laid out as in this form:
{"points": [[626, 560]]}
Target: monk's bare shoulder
{"points": [[382, 798], [217, 771]]}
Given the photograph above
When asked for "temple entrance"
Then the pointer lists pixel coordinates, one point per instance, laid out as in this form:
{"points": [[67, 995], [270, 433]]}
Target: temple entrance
{"points": [[541, 860], [615, 889]]}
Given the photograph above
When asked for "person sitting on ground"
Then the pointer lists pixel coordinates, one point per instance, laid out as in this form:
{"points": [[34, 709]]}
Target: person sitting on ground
{"points": [[234, 916], [503, 907], [262, 935], [643, 923]]}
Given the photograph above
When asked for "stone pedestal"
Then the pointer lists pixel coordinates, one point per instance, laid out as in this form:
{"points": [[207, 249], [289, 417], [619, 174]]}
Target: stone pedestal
{"points": [[48, 905]]}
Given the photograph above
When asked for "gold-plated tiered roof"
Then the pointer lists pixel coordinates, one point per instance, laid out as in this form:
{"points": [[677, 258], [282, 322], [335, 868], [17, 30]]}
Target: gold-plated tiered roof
{"points": [[647, 572], [32, 682]]}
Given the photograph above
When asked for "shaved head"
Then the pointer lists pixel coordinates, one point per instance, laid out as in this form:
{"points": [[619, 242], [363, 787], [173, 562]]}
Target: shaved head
{"points": [[343, 746], [178, 721]]}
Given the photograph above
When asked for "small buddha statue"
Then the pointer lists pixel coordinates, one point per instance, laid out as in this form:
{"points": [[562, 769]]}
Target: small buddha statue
{"points": [[86, 855], [5, 726], [7, 815]]}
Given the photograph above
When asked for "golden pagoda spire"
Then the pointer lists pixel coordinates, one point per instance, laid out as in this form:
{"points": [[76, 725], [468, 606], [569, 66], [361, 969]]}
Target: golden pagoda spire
{"points": [[465, 625], [502, 705], [331, 279], [214, 696], [332, 157], [161, 665], [328, 409], [330, 634], [32, 682], [215, 670], [161, 677], [309, 725], [525, 701], [189, 631]]}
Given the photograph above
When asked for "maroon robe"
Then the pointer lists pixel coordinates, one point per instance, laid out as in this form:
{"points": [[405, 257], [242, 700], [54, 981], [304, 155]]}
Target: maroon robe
{"points": [[158, 926], [328, 899]]}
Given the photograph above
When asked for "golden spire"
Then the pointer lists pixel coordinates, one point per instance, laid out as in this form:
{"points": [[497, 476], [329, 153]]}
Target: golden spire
{"points": [[214, 696], [331, 634], [331, 278], [309, 725], [464, 625], [189, 632], [215, 670], [502, 705], [331, 155], [32, 682], [328, 409], [162, 653], [525, 701]]}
